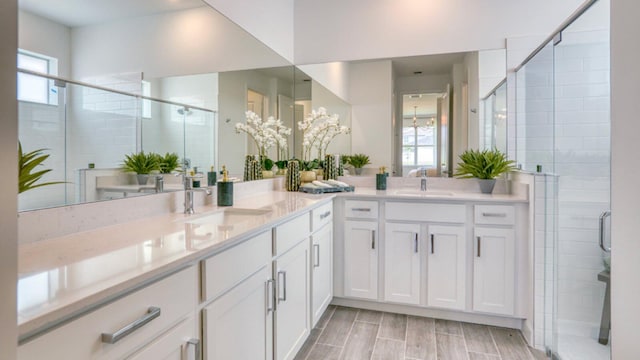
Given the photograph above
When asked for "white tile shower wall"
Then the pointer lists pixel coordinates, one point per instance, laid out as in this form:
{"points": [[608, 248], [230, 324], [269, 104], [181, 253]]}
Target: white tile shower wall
{"points": [[43, 127], [582, 158], [102, 125]]}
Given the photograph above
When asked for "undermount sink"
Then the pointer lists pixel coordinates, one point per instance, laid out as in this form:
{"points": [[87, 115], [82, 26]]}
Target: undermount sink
{"points": [[228, 216], [409, 192]]}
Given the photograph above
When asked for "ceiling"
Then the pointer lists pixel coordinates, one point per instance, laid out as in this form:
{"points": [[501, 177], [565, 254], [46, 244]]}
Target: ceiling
{"points": [[427, 64], [426, 105], [74, 13]]}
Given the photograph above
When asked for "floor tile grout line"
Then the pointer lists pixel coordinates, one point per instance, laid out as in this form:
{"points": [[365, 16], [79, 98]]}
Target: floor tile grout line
{"points": [[319, 335], [464, 341], [375, 342], [344, 347], [406, 335], [494, 342]]}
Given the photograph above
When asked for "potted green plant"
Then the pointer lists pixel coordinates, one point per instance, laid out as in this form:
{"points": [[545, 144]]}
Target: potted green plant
{"points": [[358, 161], [307, 173], [168, 163], [267, 165], [485, 165], [26, 164], [282, 167], [142, 164]]}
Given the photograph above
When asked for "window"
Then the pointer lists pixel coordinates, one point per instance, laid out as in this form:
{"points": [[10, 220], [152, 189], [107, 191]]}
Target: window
{"points": [[419, 130], [35, 88]]}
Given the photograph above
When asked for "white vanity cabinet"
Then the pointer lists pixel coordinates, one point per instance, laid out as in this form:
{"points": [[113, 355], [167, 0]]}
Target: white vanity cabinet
{"points": [[360, 242], [321, 261], [402, 260], [494, 260], [161, 312], [446, 266], [445, 255], [238, 292], [291, 271]]}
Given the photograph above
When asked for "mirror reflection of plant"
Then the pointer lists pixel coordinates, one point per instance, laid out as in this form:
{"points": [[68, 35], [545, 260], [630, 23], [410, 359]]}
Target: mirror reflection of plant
{"points": [[281, 164], [485, 164], [358, 160], [141, 163], [168, 163], [318, 130], [267, 164], [27, 162], [308, 165], [265, 134]]}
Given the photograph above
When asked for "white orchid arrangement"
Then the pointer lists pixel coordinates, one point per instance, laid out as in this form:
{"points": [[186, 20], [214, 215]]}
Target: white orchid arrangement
{"points": [[318, 130], [265, 134]]}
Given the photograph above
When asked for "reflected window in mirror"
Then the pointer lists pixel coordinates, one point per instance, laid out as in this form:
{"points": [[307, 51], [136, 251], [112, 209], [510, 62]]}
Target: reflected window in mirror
{"points": [[32, 88], [420, 131]]}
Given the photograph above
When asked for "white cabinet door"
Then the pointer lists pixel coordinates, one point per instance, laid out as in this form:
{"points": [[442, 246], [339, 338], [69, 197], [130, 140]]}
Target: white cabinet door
{"points": [[446, 267], [239, 324], [361, 259], [292, 316], [494, 271], [402, 263], [322, 271], [180, 343]]}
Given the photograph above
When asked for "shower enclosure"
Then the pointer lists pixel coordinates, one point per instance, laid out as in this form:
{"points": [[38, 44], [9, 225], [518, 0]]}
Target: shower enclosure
{"points": [[563, 130]]}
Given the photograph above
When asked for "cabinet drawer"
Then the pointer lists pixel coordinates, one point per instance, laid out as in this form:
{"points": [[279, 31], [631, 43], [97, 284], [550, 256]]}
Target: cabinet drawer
{"points": [[361, 209], [321, 216], [453, 213], [227, 269], [181, 342], [494, 214], [290, 233], [82, 338]]}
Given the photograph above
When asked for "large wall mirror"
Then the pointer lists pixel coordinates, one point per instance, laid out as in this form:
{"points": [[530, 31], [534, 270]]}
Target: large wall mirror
{"points": [[182, 53]]}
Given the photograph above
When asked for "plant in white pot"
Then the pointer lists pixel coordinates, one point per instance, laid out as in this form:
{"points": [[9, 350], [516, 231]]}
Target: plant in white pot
{"points": [[485, 165], [142, 164]]}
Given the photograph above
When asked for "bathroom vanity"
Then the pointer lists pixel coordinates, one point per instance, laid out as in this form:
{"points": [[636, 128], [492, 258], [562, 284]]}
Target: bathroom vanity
{"points": [[251, 281]]}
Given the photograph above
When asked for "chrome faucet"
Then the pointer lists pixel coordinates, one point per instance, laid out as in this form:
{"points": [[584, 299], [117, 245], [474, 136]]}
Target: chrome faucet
{"points": [[423, 180], [188, 192]]}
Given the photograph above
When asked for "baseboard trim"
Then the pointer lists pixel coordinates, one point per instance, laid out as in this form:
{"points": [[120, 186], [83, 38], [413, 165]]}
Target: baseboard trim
{"points": [[493, 320]]}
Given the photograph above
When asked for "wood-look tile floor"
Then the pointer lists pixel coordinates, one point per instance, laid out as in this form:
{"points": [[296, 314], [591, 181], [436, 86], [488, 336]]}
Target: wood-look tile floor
{"points": [[353, 334]]}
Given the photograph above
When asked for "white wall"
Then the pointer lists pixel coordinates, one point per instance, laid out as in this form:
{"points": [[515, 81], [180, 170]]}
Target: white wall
{"points": [[232, 99], [472, 63], [334, 76], [186, 42], [321, 97], [269, 21], [8, 182], [625, 51], [422, 83], [492, 68], [336, 30], [371, 96], [46, 37]]}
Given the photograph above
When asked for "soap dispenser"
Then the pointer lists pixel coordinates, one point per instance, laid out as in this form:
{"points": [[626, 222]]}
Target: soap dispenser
{"points": [[225, 189], [381, 179], [211, 177]]}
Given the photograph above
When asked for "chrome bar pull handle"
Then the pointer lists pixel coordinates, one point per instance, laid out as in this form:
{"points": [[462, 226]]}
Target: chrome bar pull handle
{"points": [[415, 245], [316, 253], [361, 209], [479, 244], [270, 296], [197, 349], [152, 313], [326, 214], [488, 214], [603, 218], [282, 285], [373, 239], [433, 250]]}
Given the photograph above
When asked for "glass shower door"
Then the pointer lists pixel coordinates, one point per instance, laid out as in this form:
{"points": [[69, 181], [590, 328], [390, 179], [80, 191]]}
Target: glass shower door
{"points": [[582, 160]]}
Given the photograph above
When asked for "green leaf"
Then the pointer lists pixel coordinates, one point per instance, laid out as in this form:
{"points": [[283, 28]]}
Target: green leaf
{"points": [[485, 164], [26, 164]]}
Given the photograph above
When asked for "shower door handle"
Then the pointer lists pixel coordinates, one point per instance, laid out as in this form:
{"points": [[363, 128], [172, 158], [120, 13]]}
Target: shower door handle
{"points": [[601, 229]]}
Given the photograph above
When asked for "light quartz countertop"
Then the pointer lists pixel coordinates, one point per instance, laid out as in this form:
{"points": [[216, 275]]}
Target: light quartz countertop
{"points": [[63, 277]]}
